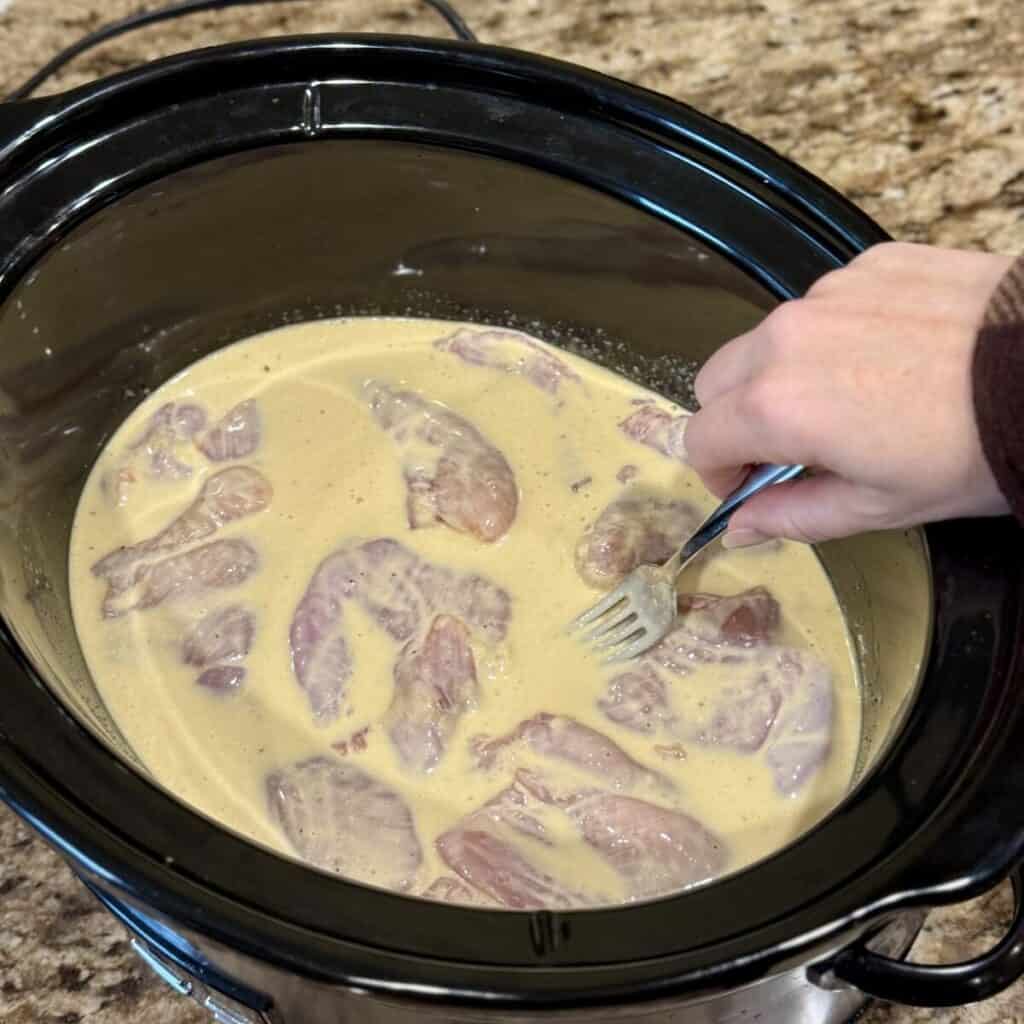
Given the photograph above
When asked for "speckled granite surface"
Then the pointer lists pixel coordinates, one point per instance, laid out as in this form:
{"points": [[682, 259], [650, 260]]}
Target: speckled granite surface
{"points": [[914, 109]]}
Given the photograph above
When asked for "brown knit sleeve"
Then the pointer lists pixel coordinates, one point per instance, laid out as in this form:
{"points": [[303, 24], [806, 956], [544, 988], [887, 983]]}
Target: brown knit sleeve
{"points": [[998, 385]]}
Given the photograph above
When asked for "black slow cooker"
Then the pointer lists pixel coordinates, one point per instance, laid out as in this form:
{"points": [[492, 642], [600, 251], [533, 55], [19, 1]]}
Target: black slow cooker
{"points": [[150, 218]]}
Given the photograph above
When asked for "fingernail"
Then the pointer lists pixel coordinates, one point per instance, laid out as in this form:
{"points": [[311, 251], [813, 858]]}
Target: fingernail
{"points": [[743, 538]]}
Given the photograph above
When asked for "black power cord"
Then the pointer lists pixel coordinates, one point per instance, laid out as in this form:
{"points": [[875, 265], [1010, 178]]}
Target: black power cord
{"points": [[143, 18]]}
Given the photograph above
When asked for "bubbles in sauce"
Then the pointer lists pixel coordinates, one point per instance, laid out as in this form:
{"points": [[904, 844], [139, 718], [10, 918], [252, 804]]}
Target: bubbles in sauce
{"points": [[321, 579]]}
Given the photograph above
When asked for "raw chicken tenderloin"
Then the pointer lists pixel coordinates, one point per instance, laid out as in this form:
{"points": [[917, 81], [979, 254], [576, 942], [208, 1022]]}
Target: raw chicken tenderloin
{"points": [[218, 565], [453, 474], [400, 592], [663, 431], [170, 426], [217, 644], [498, 869], [632, 530], [235, 436], [225, 497], [339, 818], [781, 701], [435, 683], [564, 739], [510, 352]]}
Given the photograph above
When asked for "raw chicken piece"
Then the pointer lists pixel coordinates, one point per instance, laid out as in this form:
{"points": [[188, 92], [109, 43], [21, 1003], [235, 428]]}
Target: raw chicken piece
{"points": [[802, 737], [563, 738], [235, 436], [746, 620], [222, 678], [400, 591], [321, 659], [780, 702], [219, 564], [632, 531], [453, 474], [224, 634], [446, 889], [474, 599], [489, 849], [435, 684], [511, 352], [216, 643], [743, 716], [451, 890], [225, 497], [170, 425], [658, 429], [784, 710], [712, 628], [637, 699], [391, 582], [656, 850], [339, 818], [495, 867], [515, 807], [181, 420]]}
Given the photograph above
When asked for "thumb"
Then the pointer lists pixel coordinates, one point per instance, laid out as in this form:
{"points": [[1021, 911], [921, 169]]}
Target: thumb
{"points": [[813, 509]]}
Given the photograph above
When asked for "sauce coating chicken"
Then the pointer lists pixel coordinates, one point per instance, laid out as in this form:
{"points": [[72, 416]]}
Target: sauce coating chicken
{"points": [[322, 580]]}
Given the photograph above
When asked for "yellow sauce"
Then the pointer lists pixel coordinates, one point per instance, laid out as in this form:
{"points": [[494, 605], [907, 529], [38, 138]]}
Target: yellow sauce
{"points": [[337, 478]]}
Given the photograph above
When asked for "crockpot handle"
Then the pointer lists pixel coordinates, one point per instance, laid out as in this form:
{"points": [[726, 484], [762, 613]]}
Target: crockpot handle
{"points": [[176, 10], [897, 981]]}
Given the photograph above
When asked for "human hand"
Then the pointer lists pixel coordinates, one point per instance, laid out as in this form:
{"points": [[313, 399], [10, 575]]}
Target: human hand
{"points": [[867, 381]]}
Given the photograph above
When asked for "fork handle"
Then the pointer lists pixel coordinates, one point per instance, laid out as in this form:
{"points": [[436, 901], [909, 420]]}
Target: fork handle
{"points": [[757, 480]]}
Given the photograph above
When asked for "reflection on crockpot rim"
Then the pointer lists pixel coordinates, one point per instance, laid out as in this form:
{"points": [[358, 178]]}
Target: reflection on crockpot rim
{"points": [[321, 579]]}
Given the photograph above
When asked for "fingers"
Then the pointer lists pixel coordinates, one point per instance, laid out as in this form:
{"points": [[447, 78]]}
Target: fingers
{"points": [[720, 442], [809, 510], [781, 336], [732, 365], [721, 482], [730, 431], [866, 380], [741, 359], [750, 424]]}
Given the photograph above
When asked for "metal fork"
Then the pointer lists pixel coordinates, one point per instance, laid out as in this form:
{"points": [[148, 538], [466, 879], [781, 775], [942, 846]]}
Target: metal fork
{"points": [[641, 609]]}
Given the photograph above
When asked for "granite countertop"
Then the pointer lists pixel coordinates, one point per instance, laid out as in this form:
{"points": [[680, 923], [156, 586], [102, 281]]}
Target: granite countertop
{"points": [[911, 108]]}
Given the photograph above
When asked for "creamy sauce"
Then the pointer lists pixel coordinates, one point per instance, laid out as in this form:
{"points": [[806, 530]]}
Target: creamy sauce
{"points": [[337, 477]]}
